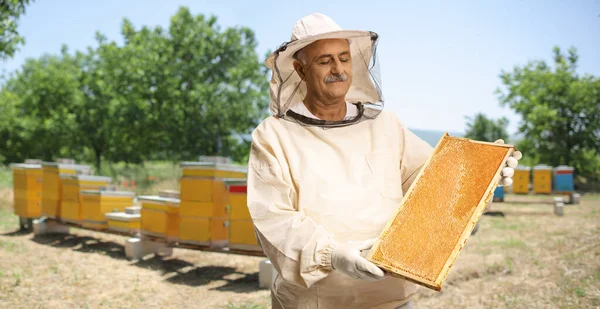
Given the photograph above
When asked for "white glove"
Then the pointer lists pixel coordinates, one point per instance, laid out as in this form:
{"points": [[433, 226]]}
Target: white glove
{"points": [[509, 170], [347, 259]]}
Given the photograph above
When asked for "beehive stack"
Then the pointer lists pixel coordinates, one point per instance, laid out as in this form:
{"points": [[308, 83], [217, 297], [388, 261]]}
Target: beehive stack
{"points": [[71, 203], [52, 185], [563, 179], [128, 222], [96, 203], [160, 217], [241, 228], [436, 216], [27, 190], [203, 202], [542, 179], [521, 180]]}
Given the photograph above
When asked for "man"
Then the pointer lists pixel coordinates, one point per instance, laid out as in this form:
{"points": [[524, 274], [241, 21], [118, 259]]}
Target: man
{"points": [[328, 170]]}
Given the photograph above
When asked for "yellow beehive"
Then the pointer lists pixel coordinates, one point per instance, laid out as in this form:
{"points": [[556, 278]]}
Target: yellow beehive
{"points": [[203, 202], [438, 213], [52, 185], [71, 205], [521, 180], [211, 232], [123, 222], [542, 179], [213, 170], [160, 217], [241, 227], [27, 190], [96, 203]]}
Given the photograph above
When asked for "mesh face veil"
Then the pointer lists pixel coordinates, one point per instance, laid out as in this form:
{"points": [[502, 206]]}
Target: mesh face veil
{"points": [[288, 88]]}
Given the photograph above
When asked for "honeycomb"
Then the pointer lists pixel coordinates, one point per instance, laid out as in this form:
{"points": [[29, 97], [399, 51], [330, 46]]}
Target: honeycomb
{"points": [[436, 211]]}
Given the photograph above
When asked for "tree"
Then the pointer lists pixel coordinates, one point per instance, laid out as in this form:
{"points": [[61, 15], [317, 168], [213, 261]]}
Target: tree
{"points": [[192, 89], [485, 129], [37, 109], [201, 84], [560, 112], [10, 11]]}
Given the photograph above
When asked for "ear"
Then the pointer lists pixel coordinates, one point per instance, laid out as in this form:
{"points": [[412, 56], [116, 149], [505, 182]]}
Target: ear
{"points": [[299, 69]]}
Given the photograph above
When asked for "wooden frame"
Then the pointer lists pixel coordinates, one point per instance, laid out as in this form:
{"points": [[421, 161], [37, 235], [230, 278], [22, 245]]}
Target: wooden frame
{"points": [[483, 202]]}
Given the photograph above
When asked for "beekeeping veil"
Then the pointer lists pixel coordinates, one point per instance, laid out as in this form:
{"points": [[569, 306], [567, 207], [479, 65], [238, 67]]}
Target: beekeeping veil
{"points": [[288, 89]]}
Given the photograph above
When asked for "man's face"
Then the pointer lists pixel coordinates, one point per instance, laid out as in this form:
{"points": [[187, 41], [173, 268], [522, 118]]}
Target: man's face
{"points": [[328, 69]]}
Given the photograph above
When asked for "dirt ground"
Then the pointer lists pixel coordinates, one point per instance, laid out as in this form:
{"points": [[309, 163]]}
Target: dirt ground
{"points": [[528, 259]]}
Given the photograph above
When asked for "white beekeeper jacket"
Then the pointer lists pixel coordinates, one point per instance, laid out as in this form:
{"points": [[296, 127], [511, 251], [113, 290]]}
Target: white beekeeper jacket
{"points": [[309, 187]]}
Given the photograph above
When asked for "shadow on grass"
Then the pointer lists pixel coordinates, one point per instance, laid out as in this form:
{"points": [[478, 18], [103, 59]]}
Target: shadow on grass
{"points": [[18, 232], [176, 270]]}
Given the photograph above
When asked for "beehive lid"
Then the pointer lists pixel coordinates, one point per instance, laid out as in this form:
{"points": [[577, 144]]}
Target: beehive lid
{"points": [[133, 210], [121, 216], [86, 178], [542, 167], [235, 181], [108, 193], [169, 193], [236, 185], [213, 165], [77, 167], [522, 168], [422, 240], [564, 168], [24, 166], [158, 199]]}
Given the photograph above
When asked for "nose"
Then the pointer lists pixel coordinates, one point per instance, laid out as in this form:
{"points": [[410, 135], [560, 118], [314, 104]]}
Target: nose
{"points": [[336, 67]]}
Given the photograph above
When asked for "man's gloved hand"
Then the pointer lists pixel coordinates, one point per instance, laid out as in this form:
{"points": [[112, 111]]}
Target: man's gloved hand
{"points": [[509, 170], [347, 259]]}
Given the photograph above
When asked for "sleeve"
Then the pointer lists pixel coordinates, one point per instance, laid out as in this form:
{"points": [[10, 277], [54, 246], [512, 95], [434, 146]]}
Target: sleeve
{"points": [[415, 154], [299, 249]]}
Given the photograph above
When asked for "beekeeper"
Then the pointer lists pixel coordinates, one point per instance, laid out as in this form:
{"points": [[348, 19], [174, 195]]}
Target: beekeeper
{"points": [[328, 169]]}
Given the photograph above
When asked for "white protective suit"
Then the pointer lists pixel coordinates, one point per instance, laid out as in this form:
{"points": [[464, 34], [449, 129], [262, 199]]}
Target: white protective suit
{"points": [[309, 187]]}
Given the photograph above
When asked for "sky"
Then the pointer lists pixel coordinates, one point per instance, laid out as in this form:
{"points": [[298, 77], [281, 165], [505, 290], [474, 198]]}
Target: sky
{"points": [[439, 60]]}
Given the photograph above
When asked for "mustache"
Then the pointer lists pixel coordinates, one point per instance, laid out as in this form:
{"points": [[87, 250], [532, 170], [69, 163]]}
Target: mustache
{"points": [[335, 78]]}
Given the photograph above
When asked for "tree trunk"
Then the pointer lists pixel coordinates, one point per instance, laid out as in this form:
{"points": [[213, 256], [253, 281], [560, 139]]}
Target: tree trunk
{"points": [[98, 159]]}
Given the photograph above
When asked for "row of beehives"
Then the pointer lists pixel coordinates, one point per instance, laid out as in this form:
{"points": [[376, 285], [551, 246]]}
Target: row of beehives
{"points": [[541, 179], [209, 210]]}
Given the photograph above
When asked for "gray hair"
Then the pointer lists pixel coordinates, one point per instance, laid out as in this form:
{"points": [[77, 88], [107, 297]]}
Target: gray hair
{"points": [[300, 55]]}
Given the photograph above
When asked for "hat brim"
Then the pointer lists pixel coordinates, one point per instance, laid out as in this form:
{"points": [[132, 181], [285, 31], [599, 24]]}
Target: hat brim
{"points": [[290, 48]]}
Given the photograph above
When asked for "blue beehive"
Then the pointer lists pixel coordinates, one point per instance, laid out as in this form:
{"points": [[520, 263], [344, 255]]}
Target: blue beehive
{"points": [[563, 179], [499, 194]]}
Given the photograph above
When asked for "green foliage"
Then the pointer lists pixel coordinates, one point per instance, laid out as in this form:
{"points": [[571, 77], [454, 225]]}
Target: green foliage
{"points": [[10, 40], [481, 128], [166, 94], [560, 111]]}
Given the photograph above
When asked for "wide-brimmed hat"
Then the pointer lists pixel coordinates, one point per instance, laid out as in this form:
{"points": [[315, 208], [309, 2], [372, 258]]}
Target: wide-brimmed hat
{"points": [[287, 87]]}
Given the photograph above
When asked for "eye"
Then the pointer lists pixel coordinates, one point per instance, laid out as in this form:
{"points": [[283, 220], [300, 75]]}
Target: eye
{"points": [[344, 59], [325, 62]]}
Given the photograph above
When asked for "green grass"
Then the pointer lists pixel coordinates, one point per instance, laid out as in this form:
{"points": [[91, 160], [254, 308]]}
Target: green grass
{"points": [[8, 220], [9, 246], [579, 292], [501, 224], [510, 243], [6, 178]]}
